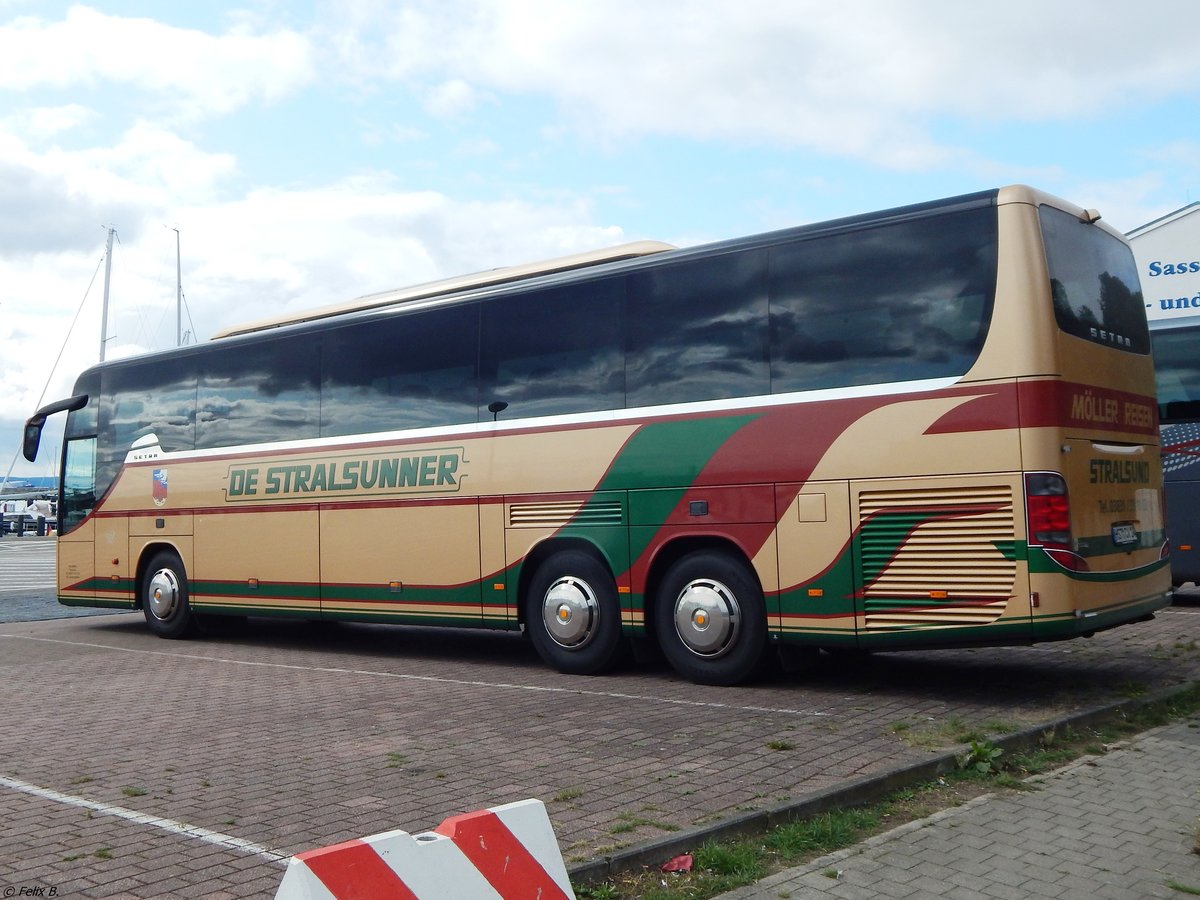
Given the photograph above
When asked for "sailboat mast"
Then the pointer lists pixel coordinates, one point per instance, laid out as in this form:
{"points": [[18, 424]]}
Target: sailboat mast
{"points": [[178, 294], [107, 276]]}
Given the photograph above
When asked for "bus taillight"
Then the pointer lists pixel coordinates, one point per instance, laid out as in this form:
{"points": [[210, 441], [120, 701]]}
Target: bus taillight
{"points": [[1048, 511]]}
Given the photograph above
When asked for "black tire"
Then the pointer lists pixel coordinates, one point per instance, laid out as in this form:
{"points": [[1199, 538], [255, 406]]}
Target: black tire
{"points": [[164, 597], [573, 614], [710, 618]]}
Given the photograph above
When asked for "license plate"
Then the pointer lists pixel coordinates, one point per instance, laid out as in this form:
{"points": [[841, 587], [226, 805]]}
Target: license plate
{"points": [[1124, 533]]}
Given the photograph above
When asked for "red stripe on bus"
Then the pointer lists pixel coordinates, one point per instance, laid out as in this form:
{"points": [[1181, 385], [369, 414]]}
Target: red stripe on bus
{"points": [[354, 871], [1069, 404], [783, 445], [992, 409], [499, 856]]}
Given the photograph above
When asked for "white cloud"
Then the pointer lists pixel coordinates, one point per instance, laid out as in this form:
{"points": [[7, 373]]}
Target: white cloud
{"points": [[297, 249], [270, 251], [1185, 154], [868, 81], [55, 198], [190, 73], [451, 99], [40, 124]]}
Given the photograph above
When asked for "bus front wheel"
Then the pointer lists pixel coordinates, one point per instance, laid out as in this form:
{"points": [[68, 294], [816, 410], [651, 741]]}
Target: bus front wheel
{"points": [[165, 597], [573, 614], [711, 619]]}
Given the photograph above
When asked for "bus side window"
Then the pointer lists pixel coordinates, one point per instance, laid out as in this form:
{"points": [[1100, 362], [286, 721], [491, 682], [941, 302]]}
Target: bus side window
{"points": [[401, 371], [898, 302], [148, 398], [554, 351], [698, 330], [267, 391]]}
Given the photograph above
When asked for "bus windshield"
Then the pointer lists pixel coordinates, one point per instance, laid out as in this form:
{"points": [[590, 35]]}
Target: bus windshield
{"points": [[1177, 374], [1177, 378]]}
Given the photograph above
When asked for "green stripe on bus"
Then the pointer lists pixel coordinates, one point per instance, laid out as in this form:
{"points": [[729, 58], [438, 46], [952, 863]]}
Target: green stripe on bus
{"points": [[1040, 563], [671, 453]]}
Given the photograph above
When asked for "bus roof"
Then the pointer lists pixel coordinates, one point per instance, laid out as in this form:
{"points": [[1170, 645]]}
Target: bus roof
{"points": [[635, 253], [456, 284]]}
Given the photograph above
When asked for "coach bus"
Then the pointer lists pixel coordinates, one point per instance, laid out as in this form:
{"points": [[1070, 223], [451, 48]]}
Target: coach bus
{"points": [[928, 426], [1176, 345]]}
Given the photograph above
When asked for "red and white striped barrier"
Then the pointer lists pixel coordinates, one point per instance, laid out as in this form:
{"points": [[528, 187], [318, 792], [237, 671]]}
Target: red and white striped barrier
{"points": [[506, 852]]}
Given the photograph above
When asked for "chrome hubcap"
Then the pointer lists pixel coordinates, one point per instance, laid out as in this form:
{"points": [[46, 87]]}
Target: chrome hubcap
{"points": [[707, 617], [569, 612], [162, 594]]}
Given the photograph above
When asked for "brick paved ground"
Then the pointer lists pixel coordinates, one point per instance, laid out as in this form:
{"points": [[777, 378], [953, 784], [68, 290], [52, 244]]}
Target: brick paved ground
{"points": [[288, 737], [1119, 826], [27, 590]]}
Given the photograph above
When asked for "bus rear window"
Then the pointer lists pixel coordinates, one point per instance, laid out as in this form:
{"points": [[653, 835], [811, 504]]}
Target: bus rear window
{"points": [[1094, 283]]}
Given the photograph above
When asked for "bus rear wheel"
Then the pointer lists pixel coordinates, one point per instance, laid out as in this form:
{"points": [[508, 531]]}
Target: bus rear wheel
{"points": [[165, 597], [573, 614], [711, 619]]}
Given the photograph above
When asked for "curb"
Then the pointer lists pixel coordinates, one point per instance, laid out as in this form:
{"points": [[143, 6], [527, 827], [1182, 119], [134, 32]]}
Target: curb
{"points": [[856, 792]]}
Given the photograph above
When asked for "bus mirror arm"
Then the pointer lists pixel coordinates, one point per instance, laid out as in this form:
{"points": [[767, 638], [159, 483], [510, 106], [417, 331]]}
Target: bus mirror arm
{"points": [[33, 426]]}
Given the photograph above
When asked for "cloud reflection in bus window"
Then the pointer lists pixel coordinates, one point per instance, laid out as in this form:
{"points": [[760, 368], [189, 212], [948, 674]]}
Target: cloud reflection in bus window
{"points": [[901, 302], [698, 330], [258, 393], [554, 351], [148, 398], [401, 371]]}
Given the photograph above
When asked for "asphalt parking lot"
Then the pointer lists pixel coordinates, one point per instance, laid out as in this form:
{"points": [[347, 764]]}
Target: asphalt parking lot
{"points": [[140, 767]]}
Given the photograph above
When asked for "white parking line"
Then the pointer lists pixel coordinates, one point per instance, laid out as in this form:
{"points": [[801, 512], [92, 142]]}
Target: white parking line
{"points": [[192, 831], [27, 567], [433, 679]]}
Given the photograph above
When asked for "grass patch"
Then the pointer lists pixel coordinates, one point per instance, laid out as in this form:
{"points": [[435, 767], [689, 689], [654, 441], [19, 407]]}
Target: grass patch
{"points": [[827, 832], [720, 866], [134, 791], [934, 735], [566, 795], [630, 822]]}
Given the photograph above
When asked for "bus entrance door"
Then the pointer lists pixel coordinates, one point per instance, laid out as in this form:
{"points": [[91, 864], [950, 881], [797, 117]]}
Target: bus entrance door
{"points": [[114, 580], [77, 566]]}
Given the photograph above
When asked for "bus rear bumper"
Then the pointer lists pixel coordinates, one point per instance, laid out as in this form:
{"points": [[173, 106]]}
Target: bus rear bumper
{"points": [[1085, 623]]}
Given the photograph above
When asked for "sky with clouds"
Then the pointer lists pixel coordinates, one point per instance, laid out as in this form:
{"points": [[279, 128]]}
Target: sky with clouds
{"points": [[311, 152]]}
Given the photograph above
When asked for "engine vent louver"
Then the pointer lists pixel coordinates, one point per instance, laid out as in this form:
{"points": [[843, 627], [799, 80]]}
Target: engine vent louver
{"points": [[557, 513], [936, 557]]}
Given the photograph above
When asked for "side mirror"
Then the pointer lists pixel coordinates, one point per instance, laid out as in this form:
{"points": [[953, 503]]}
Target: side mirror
{"points": [[33, 438], [33, 426]]}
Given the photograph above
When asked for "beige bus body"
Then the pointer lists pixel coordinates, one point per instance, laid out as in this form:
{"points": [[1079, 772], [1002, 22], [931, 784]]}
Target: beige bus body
{"points": [[880, 516]]}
